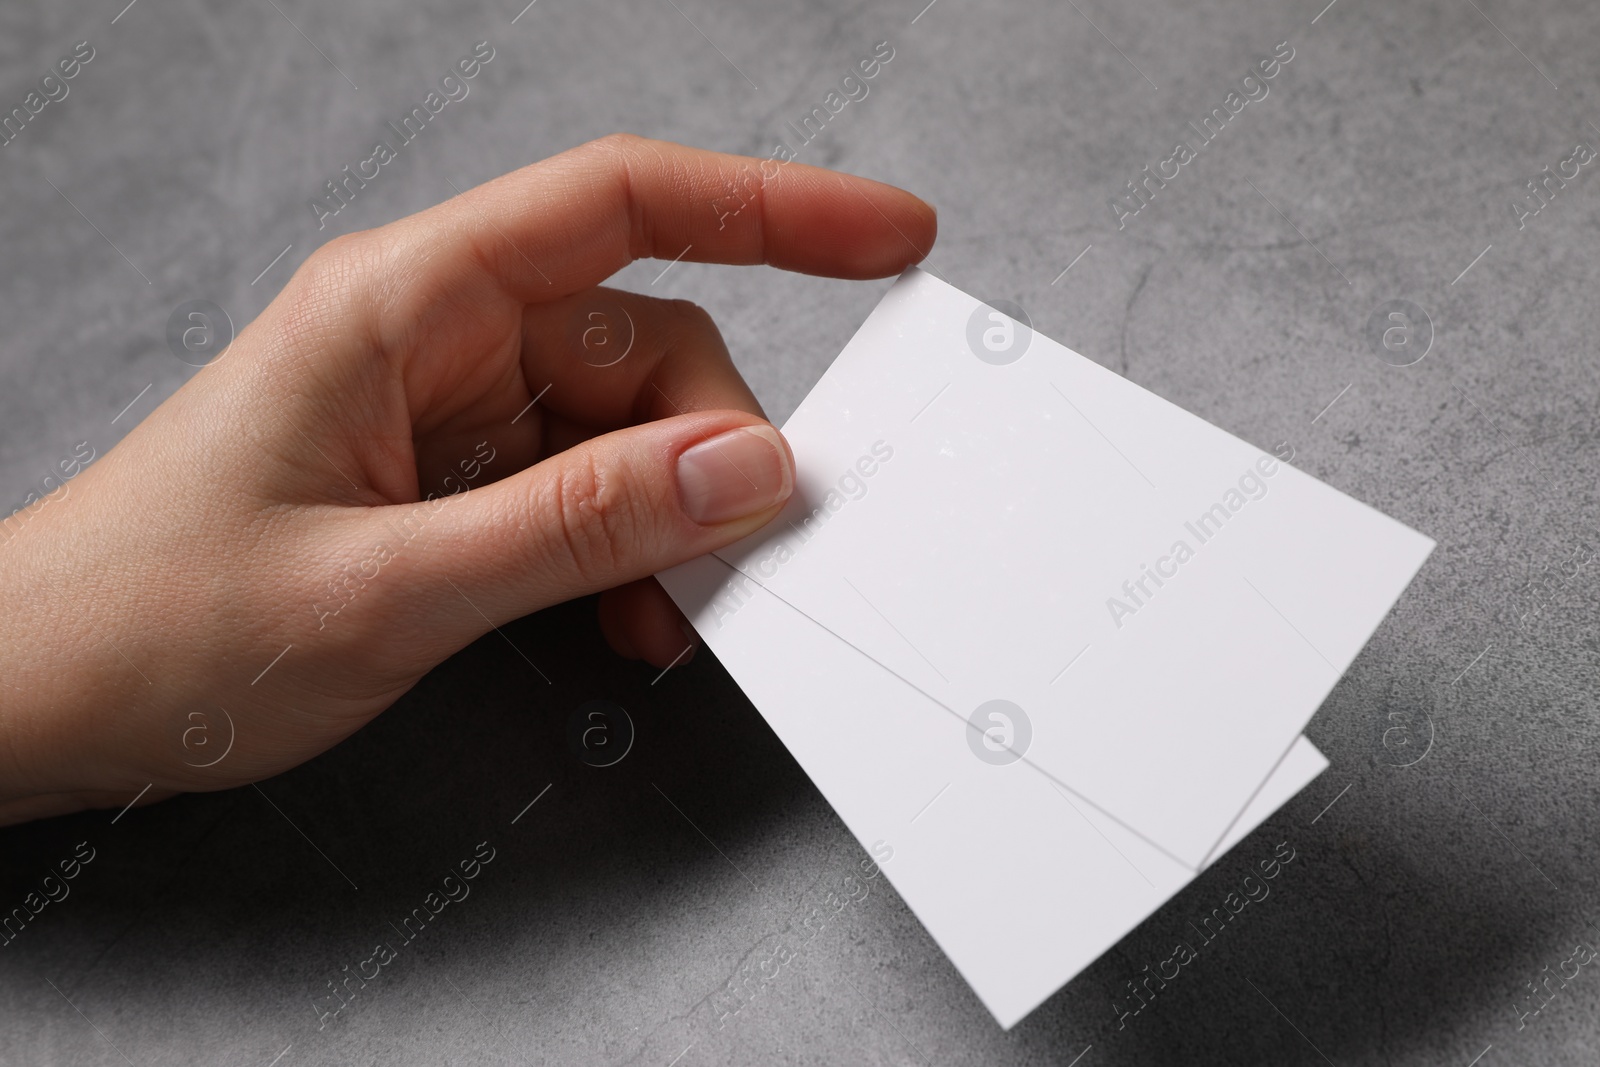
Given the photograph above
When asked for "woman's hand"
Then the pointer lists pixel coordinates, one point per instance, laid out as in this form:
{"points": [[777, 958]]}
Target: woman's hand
{"points": [[439, 426]]}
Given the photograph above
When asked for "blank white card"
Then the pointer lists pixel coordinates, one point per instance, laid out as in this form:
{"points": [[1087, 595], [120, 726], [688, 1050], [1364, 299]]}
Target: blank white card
{"points": [[1046, 636]]}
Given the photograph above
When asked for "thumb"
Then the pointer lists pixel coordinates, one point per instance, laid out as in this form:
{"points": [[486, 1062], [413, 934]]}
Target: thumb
{"points": [[611, 510]]}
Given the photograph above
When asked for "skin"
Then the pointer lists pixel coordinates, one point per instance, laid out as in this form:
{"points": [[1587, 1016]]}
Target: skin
{"points": [[158, 584]]}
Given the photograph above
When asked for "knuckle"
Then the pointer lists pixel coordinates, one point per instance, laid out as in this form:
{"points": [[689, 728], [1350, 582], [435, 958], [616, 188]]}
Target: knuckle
{"points": [[690, 325], [597, 527], [338, 271], [346, 254], [690, 315], [620, 158], [615, 152], [619, 140], [340, 287]]}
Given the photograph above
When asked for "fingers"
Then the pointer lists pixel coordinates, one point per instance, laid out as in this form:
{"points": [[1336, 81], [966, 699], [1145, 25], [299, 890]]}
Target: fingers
{"points": [[641, 622], [441, 294], [445, 296], [569, 222], [604, 513], [612, 358], [596, 361]]}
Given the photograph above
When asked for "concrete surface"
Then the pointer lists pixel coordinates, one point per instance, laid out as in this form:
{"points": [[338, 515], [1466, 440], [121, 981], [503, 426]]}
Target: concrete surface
{"points": [[1385, 161]]}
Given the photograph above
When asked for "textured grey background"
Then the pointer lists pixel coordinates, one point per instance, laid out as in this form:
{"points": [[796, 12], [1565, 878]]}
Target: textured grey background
{"points": [[1393, 145]]}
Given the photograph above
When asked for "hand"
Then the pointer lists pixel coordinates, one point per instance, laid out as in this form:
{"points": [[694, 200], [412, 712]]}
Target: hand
{"points": [[417, 440]]}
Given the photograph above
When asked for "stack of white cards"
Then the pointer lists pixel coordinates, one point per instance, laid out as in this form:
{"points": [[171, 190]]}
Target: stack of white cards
{"points": [[1045, 641]]}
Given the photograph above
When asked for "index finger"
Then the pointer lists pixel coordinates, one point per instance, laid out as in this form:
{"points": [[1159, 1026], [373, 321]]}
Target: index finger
{"points": [[569, 222]]}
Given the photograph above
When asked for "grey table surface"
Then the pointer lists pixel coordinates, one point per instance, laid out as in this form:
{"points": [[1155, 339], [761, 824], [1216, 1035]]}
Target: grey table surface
{"points": [[1444, 862]]}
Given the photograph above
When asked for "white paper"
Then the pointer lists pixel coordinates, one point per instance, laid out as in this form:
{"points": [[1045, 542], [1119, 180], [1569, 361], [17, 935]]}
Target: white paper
{"points": [[983, 557], [960, 528], [1021, 885]]}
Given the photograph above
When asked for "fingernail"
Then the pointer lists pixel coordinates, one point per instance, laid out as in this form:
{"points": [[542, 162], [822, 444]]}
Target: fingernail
{"points": [[734, 474]]}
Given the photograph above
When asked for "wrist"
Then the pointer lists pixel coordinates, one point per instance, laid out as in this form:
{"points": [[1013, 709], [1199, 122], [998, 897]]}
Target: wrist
{"points": [[52, 683]]}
